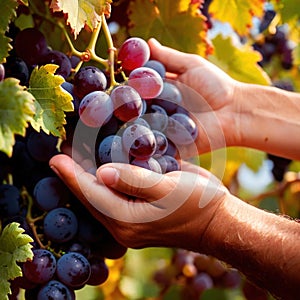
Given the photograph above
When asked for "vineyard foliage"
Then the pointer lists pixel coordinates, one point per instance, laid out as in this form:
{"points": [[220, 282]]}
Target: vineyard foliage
{"points": [[229, 33]]}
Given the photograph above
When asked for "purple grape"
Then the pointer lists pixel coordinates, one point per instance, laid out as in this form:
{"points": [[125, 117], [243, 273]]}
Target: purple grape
{"points": [[127, 102], [156, 117], [139, 141], [50, 193], [170, 98], [161, 143], [73, 269], [55, 290], [16, 67], [202, 282], [99, 271], [149, 164], [31, 45], [89, 79], [42, 267], [157, 66], [96, 109], [168, 163], [9, 200], [111, 150], [60, 59], [60, 225], [181, 129]]}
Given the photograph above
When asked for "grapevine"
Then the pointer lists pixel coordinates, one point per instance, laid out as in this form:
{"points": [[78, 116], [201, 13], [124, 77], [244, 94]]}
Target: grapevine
{"points": [[102, 94]]}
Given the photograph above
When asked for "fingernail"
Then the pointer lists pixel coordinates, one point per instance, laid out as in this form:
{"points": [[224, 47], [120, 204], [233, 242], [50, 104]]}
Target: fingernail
{"points": [[109, 175]]}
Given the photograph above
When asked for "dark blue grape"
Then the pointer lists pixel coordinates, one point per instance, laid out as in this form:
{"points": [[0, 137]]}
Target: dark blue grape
{"points": [[73, 269], [9, 200], [60, 225], [55, 290]]}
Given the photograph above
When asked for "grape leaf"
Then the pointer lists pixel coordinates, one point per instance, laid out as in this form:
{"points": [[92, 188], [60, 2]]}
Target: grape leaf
{"points": [[14, 247], [238, 62], [16, 110], [8, 11], [237, 13], [290, 10], [177, 24], [52, 101], [81, 12]]}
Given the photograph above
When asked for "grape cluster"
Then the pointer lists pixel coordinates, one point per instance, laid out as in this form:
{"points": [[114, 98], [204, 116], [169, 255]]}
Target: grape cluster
{"points": [[276, 44], [196, 273], [139, 121]]}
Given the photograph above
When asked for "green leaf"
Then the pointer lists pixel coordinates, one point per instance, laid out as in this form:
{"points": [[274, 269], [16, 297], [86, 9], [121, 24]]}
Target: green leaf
{"points": [[81, 12], [8, 11], [290, 10], [52, 101], [175, 23], [16, 110], [14, 247], [239, 62], [237, 13]]}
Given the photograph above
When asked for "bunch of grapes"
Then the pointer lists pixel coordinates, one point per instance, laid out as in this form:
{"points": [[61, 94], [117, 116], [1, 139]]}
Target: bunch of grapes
{"points": [[139, 121], [276, 44], [196, 273]]}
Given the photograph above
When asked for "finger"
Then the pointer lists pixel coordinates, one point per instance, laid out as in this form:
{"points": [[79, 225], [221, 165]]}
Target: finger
{"points": [[174, 60], [135, 181]]}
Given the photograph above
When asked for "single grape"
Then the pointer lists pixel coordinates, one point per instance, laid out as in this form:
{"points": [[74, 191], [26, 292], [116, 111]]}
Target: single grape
{"points": [[60, 225], [41, 146], [96, 109], [9, 200], [170, 98], [148, 163], [139, 121], [168, 163], [202, 282], [80, 247], [156, 117], [99, 271], [161, 143], [73, 269], [55, 290], [133, 53], [89, 79], [147, 82], [30, 44], [41, 268], [157, 66], [50, 193], [181, 129], [16, 67], [139, 141], [58, 58], [127, 103], [172, 149], [111, 150]]}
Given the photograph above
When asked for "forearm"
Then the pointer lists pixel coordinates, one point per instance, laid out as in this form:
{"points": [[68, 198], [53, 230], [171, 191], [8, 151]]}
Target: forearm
{"points": [[269, 119], [263, 246]]}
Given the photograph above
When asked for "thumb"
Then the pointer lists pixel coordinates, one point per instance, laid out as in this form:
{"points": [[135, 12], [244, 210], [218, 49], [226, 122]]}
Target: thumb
{"points": [[135, 181]]}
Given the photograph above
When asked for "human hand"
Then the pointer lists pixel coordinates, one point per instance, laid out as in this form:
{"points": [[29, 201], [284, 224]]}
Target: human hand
{"points": [[209, 95], [143, 208]]}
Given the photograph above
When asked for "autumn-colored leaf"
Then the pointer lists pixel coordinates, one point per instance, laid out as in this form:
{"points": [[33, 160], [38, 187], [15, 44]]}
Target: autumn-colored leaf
{"points": [[237, 13], [81, 12], [178, 24], [239, 62]]}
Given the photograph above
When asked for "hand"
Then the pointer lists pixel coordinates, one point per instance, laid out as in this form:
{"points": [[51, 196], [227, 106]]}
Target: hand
{"points": [[142, 208], [210, 97]]}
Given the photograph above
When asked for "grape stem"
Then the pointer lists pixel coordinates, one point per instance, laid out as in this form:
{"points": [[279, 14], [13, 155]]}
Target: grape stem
{"points": [[30, 220]]}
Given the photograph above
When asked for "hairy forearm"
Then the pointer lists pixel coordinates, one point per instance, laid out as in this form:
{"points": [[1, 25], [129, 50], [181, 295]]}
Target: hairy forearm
{"points": [[263, 246], [269, 119]]}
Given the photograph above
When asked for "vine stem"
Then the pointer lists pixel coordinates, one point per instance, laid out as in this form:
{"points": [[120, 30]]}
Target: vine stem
{"points": [[30, 220]]}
